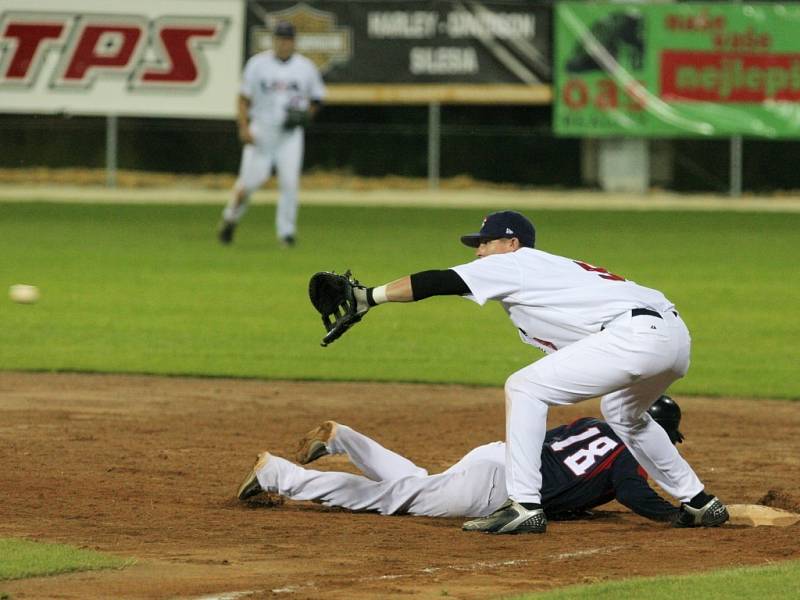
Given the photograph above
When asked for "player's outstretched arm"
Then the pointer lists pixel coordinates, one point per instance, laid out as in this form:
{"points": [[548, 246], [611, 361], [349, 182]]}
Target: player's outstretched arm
{"points": [[342, 301], [399, 290], [418, 287], [632, 490]]}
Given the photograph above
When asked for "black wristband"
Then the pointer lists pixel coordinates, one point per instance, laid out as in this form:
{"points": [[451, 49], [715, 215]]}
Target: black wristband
{"points": [[370, 299], [437, 283]]}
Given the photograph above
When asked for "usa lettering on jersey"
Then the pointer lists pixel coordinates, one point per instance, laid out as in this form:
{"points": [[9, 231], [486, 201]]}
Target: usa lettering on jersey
{"points": [[278, 85]]}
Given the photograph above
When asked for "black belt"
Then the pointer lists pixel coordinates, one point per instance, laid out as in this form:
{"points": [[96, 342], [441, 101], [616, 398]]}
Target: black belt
{"points": [[638, 312]]}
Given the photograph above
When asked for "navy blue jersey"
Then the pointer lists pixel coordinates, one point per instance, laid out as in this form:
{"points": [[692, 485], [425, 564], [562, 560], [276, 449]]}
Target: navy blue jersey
{"points": [[585, 464]]}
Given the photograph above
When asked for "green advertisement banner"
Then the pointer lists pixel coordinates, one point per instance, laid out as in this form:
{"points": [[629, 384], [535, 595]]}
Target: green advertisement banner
{"points": [[681, 70]]}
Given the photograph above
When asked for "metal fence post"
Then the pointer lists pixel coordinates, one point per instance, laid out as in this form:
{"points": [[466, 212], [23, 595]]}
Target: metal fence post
{"points": [[112, 131], [434, 144], [736, 166]]}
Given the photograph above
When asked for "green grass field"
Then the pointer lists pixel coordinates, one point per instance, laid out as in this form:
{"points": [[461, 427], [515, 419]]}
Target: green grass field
{"points": [[148, 289], [774, 581], [23, 558]]}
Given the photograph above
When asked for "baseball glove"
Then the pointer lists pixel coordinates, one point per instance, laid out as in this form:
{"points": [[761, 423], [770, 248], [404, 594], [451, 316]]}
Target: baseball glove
{"points": [[340, 299], [296, 118]]}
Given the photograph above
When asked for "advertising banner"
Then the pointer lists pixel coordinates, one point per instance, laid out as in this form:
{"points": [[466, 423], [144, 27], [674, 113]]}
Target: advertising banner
{"points": [[687, 70], [176, 58], [409, 43]]}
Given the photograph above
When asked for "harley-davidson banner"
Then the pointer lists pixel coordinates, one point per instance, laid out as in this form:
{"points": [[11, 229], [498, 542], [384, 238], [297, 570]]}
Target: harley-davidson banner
{"points": [[685, 69], [414, 42]]}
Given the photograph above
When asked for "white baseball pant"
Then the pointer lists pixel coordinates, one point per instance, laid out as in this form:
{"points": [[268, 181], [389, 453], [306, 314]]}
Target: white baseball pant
{"points": [[473, 487], [630, 364], [279, 148]]}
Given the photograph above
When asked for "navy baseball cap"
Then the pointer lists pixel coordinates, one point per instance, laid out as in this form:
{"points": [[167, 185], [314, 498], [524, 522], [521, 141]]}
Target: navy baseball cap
{"points": [[284, 29], [503, 224]]}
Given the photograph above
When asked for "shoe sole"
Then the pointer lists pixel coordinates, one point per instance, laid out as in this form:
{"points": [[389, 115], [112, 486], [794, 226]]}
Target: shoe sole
{"points": [[714, 516], [530, 523], [312, 446], [250, 486], [534, 524]]}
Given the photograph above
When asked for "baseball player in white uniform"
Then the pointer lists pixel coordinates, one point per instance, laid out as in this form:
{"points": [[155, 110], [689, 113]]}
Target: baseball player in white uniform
{"points": [[391, 484], [281, 91], [575, 479], [603, 336]]}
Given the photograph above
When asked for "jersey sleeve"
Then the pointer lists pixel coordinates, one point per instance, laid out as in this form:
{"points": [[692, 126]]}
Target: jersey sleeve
{"points": [[491, 277], [248, 80], [317, 91], [632, 490]]}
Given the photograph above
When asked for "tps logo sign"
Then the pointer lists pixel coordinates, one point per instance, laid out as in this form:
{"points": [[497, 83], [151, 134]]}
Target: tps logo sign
{"points": [[162, 53]]}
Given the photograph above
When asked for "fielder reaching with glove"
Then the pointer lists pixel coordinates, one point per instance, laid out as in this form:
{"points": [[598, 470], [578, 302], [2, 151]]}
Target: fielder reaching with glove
{"points": [[584, 465], [280, 93], [602, 335]]}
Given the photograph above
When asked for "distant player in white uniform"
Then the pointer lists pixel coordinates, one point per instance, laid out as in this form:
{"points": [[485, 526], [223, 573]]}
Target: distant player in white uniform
{"points": [[281, 91], [603, 335]]}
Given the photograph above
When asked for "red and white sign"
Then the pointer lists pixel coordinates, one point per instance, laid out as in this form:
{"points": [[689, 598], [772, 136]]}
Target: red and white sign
{"points": [[177, 58], [729, 78]]}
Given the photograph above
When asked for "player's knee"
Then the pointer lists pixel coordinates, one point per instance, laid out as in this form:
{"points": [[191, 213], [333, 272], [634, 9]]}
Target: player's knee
{"points": [[521, 384], [289, 187], [611, 414], [623, 420], [243, 189], [514, 383], [468, 490]]}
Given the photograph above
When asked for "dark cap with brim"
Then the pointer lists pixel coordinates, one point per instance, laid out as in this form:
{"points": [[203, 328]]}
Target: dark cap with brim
{"points": [[284, 29], [503, 224]]}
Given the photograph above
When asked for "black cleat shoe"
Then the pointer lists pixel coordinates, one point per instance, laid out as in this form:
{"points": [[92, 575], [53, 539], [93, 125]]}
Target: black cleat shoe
{"points": [[288, 241], [512, 517], [250, 486], [225, 232], [712, 514]]}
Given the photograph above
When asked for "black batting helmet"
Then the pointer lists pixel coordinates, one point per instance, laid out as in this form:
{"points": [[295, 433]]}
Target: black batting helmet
{"points": [[666, 412]]}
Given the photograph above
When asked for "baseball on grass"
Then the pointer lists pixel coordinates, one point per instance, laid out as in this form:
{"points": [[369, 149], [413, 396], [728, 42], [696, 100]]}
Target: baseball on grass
{"points": [[23, 293]]}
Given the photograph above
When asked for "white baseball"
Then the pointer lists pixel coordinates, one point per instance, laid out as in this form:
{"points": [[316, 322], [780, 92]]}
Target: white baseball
{"points": [[23, 294]]}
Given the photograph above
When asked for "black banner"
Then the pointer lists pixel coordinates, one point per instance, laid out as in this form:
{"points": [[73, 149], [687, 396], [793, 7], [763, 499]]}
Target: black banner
{"points": [[414, 42]]}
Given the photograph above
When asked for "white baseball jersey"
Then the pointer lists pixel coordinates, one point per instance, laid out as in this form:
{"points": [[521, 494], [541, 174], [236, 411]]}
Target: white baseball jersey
{"points": [[555, 301], [273, 86]]}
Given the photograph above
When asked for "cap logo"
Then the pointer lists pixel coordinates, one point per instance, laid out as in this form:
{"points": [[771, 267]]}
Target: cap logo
{"points": [[508, 231]]}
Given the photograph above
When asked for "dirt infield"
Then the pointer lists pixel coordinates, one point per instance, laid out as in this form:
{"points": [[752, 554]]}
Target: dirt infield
{"points": [[147, 467]]}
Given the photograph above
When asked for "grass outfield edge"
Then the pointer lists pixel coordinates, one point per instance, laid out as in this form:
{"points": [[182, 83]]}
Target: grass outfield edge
{"points": [[478, 197], [343, 380], [729, 583]]}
